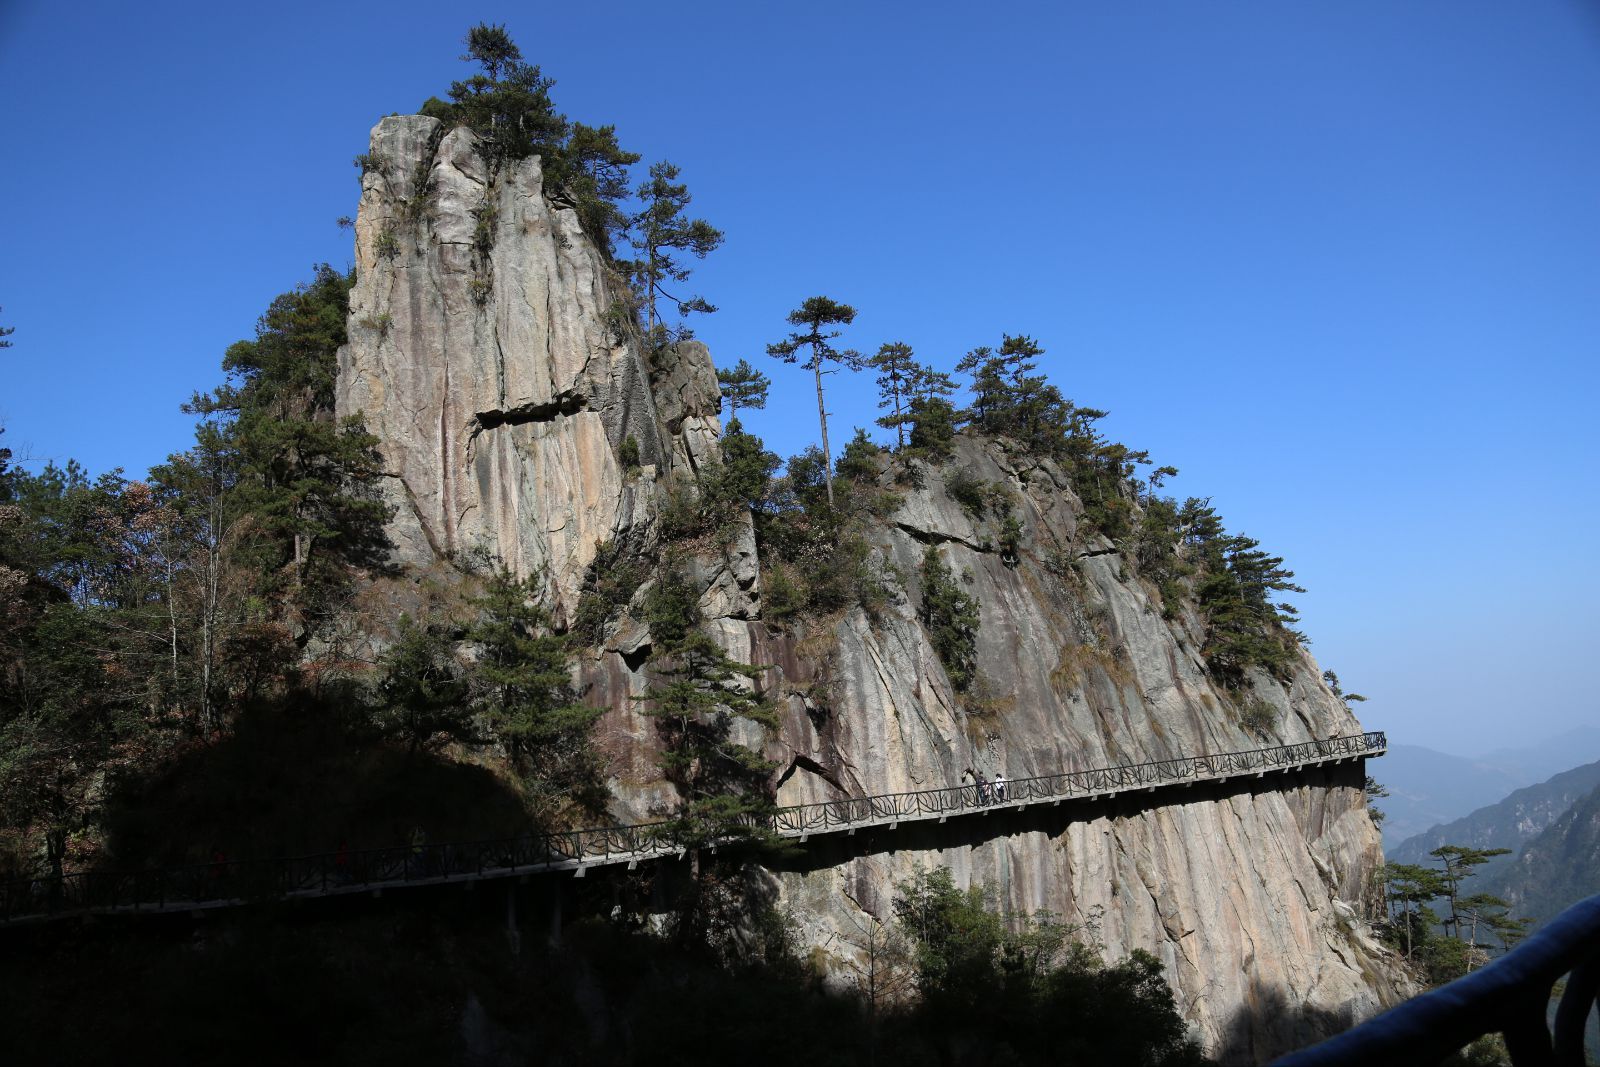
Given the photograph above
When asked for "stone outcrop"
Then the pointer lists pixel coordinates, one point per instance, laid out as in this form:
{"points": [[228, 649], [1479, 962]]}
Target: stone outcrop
{"points": [[487, 355], [1248, 896]]}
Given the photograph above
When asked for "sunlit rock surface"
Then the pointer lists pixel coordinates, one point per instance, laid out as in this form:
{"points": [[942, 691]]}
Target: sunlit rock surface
{"points": [[486, 355]]}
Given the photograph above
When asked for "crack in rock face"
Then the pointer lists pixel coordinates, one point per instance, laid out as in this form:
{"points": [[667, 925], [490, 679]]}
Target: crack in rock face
{"points": [[546, 412]]}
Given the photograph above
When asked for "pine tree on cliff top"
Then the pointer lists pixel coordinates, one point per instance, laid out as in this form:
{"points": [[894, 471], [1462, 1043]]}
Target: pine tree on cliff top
{"points": [[815, 314], [897, 372], [662, 233], [508, 105], [742, 384]]}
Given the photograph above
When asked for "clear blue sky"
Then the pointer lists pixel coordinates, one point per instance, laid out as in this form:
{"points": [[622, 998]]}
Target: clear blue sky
{"points": [[1340, 263]]}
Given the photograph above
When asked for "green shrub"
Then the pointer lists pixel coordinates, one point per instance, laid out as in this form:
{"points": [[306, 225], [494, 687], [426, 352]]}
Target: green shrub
{"points": [[951, 616], [616, 574], [483, 229], [628, 453], [1259, 717], [679, 513], [1011, 535], [782, 595], [971, 493]]}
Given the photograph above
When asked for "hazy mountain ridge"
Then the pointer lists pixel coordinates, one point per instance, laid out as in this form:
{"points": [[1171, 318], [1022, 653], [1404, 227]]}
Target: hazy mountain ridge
{"points": [[1509, 824], [1557, 868], [1429, 788]]}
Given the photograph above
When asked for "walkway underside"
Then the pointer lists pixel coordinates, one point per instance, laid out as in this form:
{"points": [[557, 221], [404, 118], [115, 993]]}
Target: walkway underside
{"points": [[234, 883]]}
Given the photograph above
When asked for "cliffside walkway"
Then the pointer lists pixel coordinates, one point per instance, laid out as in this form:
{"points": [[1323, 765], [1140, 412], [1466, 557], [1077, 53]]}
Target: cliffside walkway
{"points": [[232, 883]]}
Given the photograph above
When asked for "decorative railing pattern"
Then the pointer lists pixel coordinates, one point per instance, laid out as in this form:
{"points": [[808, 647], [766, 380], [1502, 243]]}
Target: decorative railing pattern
{"points": [[1511, 996], [231, 882]]}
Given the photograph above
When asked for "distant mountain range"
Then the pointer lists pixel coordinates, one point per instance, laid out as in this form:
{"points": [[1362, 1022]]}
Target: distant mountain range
{"points": [[1556, 869], [1511, 823], [1428, 788]]}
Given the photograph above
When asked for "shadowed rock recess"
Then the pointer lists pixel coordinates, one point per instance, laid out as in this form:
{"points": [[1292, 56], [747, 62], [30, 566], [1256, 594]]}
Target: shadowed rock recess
{"points": [[487, 356]]}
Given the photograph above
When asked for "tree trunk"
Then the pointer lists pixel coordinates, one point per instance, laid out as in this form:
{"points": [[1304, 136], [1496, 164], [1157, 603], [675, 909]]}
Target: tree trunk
{"points": [[208, 629], [822, 416], [172, 623]]}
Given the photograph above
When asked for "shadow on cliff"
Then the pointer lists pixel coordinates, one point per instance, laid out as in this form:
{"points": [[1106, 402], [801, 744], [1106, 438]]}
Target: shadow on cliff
{"points": [[1270, 1024], [979, 827], [542, 972], [297, 780]]}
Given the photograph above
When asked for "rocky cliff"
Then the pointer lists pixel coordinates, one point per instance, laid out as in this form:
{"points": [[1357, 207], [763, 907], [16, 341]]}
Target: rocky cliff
{"points": [[488, 357], [487, 354]]}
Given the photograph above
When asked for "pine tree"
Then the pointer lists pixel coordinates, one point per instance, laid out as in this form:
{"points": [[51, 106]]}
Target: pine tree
{"points": [[816, 313], [932, 417], [1411, 886], [662, 234], [310, 483], [594, 170], [5, 334], [698, 691], [742, 384], [988, 387], [897, 371], [1157, 476], [737, 486], [1016, 359], [1332, 681], [509, 104], [67, 695], [523, 682], [422, 689], [1459, 863]]}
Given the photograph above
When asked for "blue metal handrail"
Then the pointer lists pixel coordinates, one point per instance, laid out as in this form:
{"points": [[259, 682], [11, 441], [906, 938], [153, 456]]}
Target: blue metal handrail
{"points": [[227, 882], [1509, 996]]}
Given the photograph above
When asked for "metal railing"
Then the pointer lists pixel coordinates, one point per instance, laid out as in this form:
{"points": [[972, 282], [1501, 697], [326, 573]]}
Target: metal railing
{"points": [[1510, 996], [227, 883]]}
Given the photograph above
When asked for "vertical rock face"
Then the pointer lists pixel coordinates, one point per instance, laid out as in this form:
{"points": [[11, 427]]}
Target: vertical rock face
{"points": [[487, 356], [1248, 896]]}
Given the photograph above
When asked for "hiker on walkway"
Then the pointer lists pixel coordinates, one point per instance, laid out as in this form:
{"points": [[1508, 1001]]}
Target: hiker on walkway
{"points": [[999, 787], [983, 789]]}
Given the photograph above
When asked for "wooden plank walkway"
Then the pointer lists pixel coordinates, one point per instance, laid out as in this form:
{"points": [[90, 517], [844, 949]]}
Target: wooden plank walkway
{"points": [[234, 883]]}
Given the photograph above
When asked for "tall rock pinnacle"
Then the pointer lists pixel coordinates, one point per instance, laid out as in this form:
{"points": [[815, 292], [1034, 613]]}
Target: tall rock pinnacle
{"points": [[490, 357]]}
